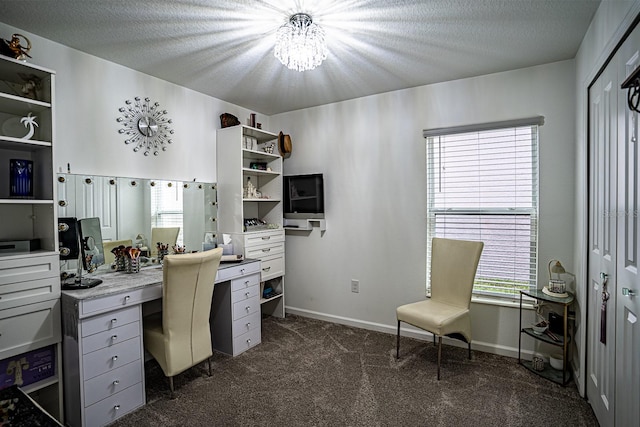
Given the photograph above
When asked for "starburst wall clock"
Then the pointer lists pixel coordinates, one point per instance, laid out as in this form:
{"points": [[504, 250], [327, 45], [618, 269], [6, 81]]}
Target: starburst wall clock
{"points": [[145, 126]]}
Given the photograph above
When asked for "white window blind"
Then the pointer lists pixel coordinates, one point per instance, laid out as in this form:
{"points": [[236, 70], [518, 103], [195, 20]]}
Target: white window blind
{"points": [[483, 185], [166, 206]]}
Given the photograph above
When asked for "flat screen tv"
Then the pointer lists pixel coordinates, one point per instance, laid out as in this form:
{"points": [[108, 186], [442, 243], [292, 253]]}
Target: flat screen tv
{"points": [[303, 196]]}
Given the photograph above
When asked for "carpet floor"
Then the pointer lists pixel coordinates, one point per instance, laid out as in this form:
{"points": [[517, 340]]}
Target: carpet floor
{"points": [[308, 372]]}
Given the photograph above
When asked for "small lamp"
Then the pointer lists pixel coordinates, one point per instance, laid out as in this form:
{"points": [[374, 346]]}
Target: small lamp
{"points": [[557, 287]]}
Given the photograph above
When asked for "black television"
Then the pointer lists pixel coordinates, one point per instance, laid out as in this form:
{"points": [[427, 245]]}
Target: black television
{"points": [[304, 196], [82, 240]]}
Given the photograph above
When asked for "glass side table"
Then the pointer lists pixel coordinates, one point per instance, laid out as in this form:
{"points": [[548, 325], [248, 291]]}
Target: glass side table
{"points": [[561, 377]]}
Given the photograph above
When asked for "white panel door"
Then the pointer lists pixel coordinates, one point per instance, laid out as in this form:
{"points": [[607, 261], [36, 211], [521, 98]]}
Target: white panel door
{"points": [[602, 245], [627, 412]]}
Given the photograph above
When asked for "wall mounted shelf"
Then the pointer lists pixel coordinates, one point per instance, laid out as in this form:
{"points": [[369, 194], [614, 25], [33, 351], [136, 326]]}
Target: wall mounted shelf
{"points": [[305, 224]]}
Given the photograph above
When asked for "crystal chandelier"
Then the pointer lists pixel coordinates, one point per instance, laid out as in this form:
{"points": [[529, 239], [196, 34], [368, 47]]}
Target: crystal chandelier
{"points": [[300, 43]]}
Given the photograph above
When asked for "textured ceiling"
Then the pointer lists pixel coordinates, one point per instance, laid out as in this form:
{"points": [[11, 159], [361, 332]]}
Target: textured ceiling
{"points": [[224, 48]]}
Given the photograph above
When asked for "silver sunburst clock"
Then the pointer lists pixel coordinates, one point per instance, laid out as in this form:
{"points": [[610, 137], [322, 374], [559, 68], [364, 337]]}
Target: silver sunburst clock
{"points": [[145, 125]]}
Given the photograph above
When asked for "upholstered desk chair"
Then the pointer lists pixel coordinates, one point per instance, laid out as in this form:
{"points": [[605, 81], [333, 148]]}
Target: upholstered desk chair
{"points": [[179, 337], [167, 235], [446, 313]]}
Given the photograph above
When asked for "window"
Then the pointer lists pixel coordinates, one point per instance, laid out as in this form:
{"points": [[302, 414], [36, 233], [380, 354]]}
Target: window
{"points": [[166, 206], [482, 184]]}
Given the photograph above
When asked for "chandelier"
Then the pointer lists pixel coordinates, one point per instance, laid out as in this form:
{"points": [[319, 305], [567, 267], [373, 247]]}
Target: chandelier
{"points": [[300, 43]]}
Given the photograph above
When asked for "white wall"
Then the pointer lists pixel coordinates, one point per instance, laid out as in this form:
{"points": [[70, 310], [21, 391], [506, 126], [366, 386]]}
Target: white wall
{"points": [[612, 19], [372, 154], [89, 92]]}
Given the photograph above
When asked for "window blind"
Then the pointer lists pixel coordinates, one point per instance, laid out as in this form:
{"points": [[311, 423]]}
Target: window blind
{"points": [[483, 185], [166, 206]]}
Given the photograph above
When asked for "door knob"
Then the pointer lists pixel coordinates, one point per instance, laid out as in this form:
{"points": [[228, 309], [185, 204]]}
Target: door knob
{"points": [[628, 292]]}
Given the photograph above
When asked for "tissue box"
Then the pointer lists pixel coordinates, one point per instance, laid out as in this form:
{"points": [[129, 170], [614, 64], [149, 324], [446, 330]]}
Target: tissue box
{"points": [[226, 249]]}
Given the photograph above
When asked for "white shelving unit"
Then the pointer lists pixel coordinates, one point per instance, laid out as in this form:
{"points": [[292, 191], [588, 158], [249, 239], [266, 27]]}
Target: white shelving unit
{"points": [[236, 165], [29, 280]]}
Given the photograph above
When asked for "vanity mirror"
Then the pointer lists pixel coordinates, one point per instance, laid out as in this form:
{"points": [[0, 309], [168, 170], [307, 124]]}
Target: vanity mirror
{"points": [[130, 208]]}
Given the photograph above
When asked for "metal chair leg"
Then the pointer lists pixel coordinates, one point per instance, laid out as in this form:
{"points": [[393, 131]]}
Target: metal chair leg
{"points": [[469, 350], [434, 339], [209, 363], [439, 354], [398, 342], [173, 393]]}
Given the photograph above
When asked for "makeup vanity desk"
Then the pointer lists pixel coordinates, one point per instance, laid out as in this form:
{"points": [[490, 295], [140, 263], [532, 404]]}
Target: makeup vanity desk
{"points": [[103, 360]]}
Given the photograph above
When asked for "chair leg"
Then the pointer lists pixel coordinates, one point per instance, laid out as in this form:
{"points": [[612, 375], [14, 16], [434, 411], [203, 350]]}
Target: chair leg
{"points": [[469, 350], [439, 354], [434, 339], [209, 363], [173, 393], [398, 342]]}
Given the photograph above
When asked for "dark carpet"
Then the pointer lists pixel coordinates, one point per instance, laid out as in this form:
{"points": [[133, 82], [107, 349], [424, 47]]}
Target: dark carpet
{"points": [[312, 373]]}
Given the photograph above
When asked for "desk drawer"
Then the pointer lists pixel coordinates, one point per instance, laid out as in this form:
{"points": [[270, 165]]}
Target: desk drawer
{"points": [[119, 300], [109, 321], [229, 272], [253, 239], [29, 292], [245, 341], [112, 382], [106, 359], [245, 294], [29, 268], [262, 251], [272, 267], [244, 308], [110, 338], [113, 407], [245, 282], [27, 327], [246, 324]]}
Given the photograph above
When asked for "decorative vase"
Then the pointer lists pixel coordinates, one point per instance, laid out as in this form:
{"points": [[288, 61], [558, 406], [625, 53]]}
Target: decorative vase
{"points": [[21, 178]]}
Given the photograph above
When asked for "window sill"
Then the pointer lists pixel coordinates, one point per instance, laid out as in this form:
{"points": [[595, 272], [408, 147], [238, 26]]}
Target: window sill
{"points": [[527, 304]]}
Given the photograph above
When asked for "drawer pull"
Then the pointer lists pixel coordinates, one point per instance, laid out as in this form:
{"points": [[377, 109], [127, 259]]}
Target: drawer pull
{"points": [[248, 325], [114, 321], [246, 294], [116, 407], [114, 337], [246, 282], [249, 341], [266, 269], [248, 308], [266, 238], [116, 382], [242, 270], [114, 358], [266, 250], [126, 299]]}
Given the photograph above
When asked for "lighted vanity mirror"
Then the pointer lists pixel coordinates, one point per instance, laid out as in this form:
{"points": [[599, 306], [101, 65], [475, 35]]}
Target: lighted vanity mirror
{"points": [[130, 208]]}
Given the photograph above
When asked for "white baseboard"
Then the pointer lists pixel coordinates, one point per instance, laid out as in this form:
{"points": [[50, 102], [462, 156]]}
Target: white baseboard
{"points": [[408, 331]]}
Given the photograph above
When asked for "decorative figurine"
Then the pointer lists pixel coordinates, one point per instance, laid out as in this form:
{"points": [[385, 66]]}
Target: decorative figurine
{"points": [[14, 49], [30, 122]]}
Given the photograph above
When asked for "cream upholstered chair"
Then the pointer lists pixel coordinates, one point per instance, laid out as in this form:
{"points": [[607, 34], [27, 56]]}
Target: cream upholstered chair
{"points": [[167, 235], [179, 337], [446, 313]]}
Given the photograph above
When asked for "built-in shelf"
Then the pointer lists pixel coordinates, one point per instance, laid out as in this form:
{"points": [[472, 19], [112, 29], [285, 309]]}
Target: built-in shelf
{"points": [[305, 224]]}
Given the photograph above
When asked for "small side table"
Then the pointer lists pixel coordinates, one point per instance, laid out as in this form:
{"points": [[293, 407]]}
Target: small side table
{"points": [[560, 377]]}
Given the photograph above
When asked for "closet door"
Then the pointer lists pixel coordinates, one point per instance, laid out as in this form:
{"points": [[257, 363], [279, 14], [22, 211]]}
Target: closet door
{"points": [[603, 128], [613, 327], [627, 410]]}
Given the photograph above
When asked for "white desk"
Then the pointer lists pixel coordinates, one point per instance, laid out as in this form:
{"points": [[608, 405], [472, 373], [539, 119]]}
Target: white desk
{"points": [[103, 360]]}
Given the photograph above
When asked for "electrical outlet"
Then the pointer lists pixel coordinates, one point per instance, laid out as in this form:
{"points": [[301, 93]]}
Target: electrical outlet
{"points": [[355, 286]]}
